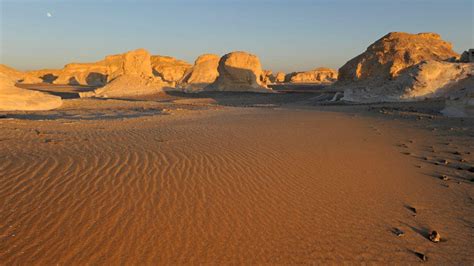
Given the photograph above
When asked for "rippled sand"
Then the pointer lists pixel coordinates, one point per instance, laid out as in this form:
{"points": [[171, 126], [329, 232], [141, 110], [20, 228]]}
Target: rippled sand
{"points": [[226, 185]]}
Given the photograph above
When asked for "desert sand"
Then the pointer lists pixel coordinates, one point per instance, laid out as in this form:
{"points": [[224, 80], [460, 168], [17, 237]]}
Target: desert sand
{"points": [[281, 178]]}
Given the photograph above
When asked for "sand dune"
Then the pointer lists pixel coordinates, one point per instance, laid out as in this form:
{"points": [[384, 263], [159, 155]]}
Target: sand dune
{"points": [[241, 185]]}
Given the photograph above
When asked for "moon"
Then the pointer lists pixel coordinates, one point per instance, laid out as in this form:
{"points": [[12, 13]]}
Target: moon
{"points": [[49, 14]]}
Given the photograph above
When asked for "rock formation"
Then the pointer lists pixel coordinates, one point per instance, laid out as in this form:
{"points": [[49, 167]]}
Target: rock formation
{"points": [[169, 69], [280, 77], [30, 79], [92, 74], [396, 51], [467, 56], [428, 79], [268, 77], [203, 73], [133, 63], [320, 75], [13, 98], [127, 86], [130, 74], [403, 67], [46, 75], [11, 73], [239, 71], [104, 71]]}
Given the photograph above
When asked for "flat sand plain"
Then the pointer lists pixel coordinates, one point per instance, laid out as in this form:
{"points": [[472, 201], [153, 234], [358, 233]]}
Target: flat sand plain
{"points": [[234, 178]]}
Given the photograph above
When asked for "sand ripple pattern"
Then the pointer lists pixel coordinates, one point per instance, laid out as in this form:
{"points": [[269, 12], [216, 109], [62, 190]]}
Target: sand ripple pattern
{"points": [[242, 188]]}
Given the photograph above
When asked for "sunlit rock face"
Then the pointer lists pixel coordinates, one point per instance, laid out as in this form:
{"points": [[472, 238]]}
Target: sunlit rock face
{"points": [[321, 75], [13, 98], [136, 62], [280, 77], [203, 73], [239, 71], [129, 74], [403, 67], [268, 77], [11, 73], [396, 51], [168, 68]]}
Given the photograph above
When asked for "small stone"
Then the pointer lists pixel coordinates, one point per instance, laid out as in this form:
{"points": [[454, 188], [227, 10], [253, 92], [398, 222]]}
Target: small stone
{"points": [[445, 162], [444, 177], [462, 160], [421, 256], [435, 237], [398, 232], [471, 169], [456, 153]]}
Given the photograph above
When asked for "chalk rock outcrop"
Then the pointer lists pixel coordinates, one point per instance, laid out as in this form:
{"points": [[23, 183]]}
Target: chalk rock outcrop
{"points": [[130, 74], [268, 77], [31, 79], [11, 73], [402, 67], [239, 71], [133, 63], [13, 98], [136, 62], [467, 56], [127, 86], [280, 77], [168, 68], [319, 75], [428, 79], [203, 73], [46, 75], [92, 74], [396, 51]]}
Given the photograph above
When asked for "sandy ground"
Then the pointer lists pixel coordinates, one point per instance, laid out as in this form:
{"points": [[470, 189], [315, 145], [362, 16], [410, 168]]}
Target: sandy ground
{"points": [[234, 178]]}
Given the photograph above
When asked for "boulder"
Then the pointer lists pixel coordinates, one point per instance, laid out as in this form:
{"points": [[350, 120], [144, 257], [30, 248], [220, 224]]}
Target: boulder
{"points": [[239, 71], [13, 98], [168, 68], [203, 73], [393, 53], [320, 75], [280, 77]]}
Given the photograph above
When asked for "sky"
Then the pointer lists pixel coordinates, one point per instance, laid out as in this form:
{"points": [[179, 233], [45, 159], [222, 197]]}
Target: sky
{"points": [[287, 35]]}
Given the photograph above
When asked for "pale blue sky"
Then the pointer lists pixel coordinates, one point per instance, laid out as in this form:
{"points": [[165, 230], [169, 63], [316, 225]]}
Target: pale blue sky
{"points": [[288, 35]]}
